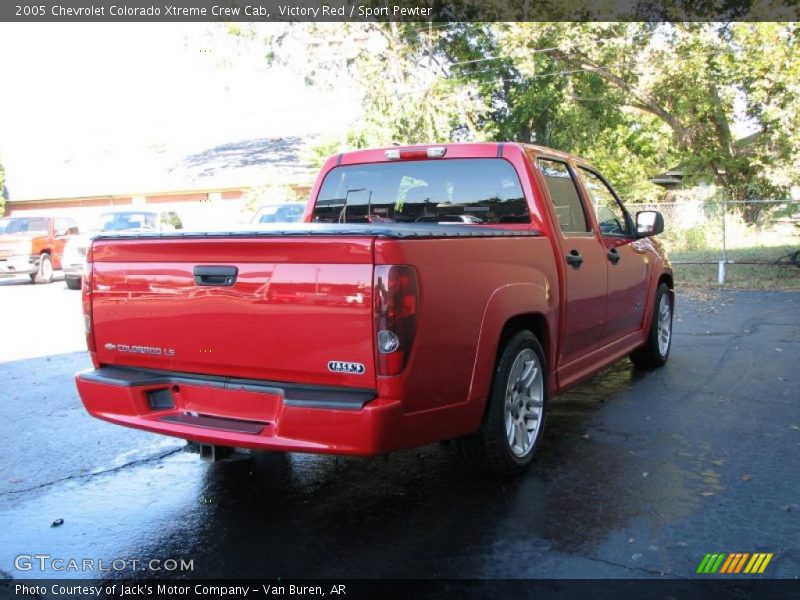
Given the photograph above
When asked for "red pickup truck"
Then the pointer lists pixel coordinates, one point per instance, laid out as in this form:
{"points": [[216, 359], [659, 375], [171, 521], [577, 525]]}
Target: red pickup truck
{"points": [[431, 293]]}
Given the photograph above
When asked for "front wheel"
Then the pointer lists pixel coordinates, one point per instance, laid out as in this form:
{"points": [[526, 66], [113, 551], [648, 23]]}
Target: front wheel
{"points": [[655, 351], [514, 422], [44, 274]]}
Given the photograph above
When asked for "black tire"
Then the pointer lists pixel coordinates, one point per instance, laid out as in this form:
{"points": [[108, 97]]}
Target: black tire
{"points": [[489, 450], [652, 355], [73, 283], [44, 274]]}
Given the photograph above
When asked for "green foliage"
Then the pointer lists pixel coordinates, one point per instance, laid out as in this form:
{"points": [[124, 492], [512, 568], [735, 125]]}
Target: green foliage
{"points": [[270, 194], [695, 238], [633, 98]]}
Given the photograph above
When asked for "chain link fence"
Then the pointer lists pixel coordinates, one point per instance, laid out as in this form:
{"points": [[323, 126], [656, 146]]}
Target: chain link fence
{"points": [[725, 232]]}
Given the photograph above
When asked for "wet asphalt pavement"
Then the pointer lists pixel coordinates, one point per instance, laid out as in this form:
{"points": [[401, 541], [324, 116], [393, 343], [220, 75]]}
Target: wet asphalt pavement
{"points": [[639, 475]]}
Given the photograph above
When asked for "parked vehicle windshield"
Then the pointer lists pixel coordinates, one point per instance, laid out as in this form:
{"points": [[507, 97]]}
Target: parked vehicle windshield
{"points": [[466, 191], [24, 224], [123, 221], [279, 213]]}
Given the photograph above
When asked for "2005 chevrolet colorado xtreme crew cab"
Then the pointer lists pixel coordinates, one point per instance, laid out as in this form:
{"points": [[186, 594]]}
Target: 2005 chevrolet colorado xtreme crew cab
{"points": [[431, 293]]}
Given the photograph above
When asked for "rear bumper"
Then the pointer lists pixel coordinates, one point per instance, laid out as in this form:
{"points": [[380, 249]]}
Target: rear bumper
{"points": [[244, 413], [20, 264]]}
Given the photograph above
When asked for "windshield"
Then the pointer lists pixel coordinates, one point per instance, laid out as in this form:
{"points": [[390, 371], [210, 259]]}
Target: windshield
{"points": [[24, 224], [280, 213], [123, 221], [466, 191]]}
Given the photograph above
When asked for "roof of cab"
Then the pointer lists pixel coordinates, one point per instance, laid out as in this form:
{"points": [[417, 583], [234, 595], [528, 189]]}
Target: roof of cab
{"points": [[463, 149]]}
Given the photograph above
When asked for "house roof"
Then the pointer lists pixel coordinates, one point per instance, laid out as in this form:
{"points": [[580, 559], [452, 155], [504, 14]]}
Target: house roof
{"points": [[676, 174], [134, 171]]}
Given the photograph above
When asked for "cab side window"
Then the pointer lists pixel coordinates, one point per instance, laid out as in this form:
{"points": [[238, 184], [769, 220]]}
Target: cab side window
{"points": [[610, 214], [65, 226], [565, 197]]}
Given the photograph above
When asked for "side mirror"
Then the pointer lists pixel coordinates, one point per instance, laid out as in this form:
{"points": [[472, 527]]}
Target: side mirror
{"points": [[61, 232], [649, 222]]}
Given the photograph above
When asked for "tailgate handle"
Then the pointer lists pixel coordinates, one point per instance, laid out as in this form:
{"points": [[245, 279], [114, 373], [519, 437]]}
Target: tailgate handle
{"points": [[215, 275]]}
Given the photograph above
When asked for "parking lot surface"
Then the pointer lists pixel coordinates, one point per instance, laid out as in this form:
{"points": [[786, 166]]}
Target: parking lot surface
{"points": [[640, 473]]}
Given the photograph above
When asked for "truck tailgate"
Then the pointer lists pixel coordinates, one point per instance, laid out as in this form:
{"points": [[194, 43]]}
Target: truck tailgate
{"points": [[298, 310]]}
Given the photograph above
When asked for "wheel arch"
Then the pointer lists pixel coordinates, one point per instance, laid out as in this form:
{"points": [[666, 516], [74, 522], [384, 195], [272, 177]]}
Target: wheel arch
{"points": [[535, 322], [510, 309]]}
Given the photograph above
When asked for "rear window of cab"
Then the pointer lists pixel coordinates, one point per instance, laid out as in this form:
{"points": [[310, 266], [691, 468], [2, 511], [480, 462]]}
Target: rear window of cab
{"points": [[467, 191]]}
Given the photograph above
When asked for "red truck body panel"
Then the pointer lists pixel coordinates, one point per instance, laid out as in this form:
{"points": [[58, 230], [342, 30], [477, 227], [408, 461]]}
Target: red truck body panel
{"points": [[296, 305], [285, 357]]}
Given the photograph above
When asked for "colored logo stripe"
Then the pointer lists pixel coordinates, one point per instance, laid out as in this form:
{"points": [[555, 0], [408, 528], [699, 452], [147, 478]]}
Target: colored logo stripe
{"points": [[710, 563], [735, 563], [758, 563]]}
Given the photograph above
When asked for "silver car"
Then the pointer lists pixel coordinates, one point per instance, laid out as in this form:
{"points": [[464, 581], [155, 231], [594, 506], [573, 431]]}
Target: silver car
{"points": [[74, 257]]}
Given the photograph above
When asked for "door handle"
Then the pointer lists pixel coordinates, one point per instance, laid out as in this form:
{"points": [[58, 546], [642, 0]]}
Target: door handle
{"points": [[574, 259], [216, 275], [613, 256]]}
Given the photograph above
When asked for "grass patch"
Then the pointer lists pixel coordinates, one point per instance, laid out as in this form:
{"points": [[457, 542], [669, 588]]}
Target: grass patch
{"points": [[744, 243], [746, 277]]}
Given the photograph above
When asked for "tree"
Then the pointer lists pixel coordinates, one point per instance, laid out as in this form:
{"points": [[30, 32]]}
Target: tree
{"points": [[407, 92], [634, 98], [693, 80]]}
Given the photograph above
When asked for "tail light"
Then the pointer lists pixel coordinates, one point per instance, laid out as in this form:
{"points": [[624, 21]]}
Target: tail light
{"points": [[86, 299], [396, 308]]}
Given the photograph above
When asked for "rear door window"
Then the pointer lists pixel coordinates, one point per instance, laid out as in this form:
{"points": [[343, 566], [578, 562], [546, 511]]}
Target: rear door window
{"points": [[564, 194], [467, 191]]}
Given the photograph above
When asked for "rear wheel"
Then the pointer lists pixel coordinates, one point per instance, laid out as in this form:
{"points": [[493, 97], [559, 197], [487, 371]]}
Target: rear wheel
{"points": [[514, 422], [44, 274], [655, 352], [73, 283]]}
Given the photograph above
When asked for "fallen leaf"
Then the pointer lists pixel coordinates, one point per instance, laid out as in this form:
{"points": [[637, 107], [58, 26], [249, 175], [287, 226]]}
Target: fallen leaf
{"points": [[746, 477], [645, 474], [718, 462], [585, 436], [794, 427], [57, 523], [779, 349], [707, 494]]}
